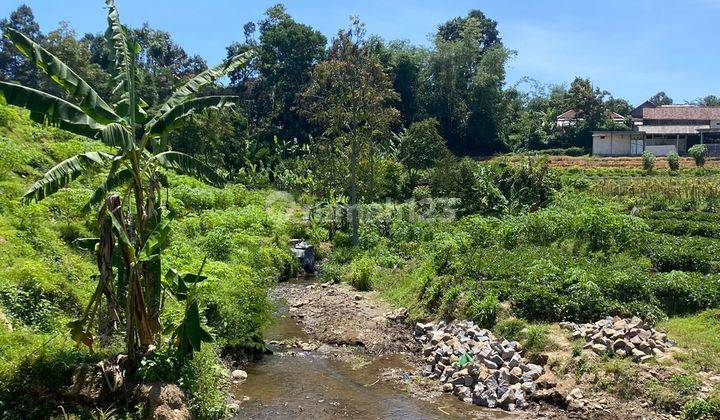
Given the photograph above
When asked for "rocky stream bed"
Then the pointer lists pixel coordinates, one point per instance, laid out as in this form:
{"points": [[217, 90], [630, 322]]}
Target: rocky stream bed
{"points": [[341, 353]]}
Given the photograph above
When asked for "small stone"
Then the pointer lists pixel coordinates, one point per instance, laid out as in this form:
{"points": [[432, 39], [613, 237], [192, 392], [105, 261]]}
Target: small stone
{"points": [[599, 349], [238, 375], [490, 364], [576, 393], [447, 387]]}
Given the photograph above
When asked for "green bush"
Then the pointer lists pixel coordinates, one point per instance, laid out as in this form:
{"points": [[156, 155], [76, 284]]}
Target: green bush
{"points": [[682, 293], [648, 161], [361, 273], [699, 153], [702, 409], [673, 161], [331, 271], [510, 329], [218, 245], [483, 311], [570, 151]]}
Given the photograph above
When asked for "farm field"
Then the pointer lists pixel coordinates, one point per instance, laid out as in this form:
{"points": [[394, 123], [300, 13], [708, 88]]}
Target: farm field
{"points": [[627, 162]]}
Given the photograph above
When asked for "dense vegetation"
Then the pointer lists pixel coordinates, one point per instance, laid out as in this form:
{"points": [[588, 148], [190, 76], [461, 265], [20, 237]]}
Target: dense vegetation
{"points": [[47, 280], [368, 137]]}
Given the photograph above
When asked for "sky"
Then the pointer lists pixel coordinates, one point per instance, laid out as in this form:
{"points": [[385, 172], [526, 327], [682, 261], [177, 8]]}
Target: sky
{"points": [[631, 48]]}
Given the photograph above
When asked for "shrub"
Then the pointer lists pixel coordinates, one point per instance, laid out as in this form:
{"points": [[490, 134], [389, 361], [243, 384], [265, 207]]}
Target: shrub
{"points": [[536, 301], [536, 339], [218, 245], [673, 161], [584, 302], [698, 152], [702, 409], [510, 329], [682, 293], [361, 273], [570, 151], [483, 311], [648, 161], [331, 271], [450, 300]]}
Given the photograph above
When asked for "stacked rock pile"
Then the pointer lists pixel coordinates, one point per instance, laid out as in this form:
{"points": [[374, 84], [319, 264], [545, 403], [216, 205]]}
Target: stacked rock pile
{"points": [[475, 366], [629, 337]]}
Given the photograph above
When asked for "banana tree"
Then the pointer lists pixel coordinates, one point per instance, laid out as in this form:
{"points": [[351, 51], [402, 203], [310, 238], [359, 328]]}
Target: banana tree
{"points": [[133, 229]]}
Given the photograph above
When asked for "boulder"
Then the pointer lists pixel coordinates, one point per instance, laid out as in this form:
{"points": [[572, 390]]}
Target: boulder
{"points": [[163, 401]]}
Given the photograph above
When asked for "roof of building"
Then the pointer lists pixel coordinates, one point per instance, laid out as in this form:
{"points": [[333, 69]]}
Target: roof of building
{"points": [[638, 111], [682, 112], [571, 114], [614, 132], [671, 129]]}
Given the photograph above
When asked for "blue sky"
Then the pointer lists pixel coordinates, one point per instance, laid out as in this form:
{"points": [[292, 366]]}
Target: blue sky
{"points": [[630, 48]]}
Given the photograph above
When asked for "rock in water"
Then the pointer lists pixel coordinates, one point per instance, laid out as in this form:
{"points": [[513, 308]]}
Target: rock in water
{"points": [[238, 375], [304, 253]]}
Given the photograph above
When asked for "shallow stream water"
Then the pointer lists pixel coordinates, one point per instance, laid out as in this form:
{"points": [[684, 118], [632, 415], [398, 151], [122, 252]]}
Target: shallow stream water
{"points": [[292, 383]]}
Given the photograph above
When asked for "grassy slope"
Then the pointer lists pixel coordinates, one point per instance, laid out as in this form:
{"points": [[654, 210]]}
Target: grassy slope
{"points": [[582, 258], [44, 281]]}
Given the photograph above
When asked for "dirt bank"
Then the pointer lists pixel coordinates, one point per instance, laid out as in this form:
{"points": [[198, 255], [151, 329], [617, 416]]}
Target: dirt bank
{"points": [[337, 315]]}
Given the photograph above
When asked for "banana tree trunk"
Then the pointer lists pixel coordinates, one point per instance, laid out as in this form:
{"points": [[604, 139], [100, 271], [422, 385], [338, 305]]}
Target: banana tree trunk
{"points": [[109, 316], [137, 320]]}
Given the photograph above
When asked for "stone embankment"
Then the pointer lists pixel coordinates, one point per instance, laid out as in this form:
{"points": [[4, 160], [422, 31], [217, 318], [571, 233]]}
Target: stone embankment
{"points": [[476, 366], [629, 337]]}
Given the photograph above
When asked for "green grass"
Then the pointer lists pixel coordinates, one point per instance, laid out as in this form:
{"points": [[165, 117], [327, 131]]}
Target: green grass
{"points": [[45, 281], [700, 336]]}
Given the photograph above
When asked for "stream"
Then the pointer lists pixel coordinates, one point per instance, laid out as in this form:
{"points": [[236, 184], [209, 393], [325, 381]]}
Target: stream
{"points": [[291, 383]]}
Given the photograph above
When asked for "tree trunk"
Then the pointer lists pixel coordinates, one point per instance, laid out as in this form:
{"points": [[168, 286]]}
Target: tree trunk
{"points": [[353, 190], [109, 316]]}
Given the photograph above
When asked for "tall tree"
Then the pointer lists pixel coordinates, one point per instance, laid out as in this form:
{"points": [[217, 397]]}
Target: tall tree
{"points": [[710, 100], [620, 106], [487, 35], [407, 64], [464, 80], [661, 98], [286, 53], [12, 66], [347, 96]]}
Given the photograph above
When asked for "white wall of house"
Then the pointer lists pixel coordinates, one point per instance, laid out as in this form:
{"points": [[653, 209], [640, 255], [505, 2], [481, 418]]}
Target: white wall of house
{"points": [[615, 144]]}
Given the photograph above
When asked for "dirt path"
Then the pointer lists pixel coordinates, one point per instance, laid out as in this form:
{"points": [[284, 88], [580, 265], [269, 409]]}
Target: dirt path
{"points": [[337, 315]]}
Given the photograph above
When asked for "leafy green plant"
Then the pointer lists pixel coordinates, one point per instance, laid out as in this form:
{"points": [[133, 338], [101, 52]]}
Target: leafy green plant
{"points": [[134, 227], [648, 161], [673, 161], [189, 335], [699, 153], [699, 409], [483, 310], [361, 273]]}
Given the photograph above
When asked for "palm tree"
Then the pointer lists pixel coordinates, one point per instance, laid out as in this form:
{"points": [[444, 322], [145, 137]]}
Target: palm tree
{"points": [[133, 229]]}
